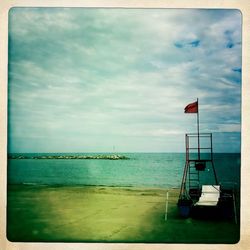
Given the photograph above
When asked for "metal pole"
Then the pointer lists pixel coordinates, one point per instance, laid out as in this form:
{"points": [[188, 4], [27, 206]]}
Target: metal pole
{"points": [[183, 183], [166, 211], [235, 211], [198, 129], [212, 161]]}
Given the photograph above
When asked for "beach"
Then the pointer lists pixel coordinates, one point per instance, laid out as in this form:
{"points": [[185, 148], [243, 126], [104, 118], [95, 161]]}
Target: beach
{"points": [[78, 213]]}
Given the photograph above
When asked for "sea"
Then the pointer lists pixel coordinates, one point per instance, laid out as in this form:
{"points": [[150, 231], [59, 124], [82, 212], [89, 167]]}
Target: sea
{"points": [[154, 170]]}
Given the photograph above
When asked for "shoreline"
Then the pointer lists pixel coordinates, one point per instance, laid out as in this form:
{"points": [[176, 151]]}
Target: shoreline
{"points": [[90, 185]]}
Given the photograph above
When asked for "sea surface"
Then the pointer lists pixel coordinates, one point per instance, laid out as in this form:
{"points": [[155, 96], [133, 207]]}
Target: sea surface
{"points": [[163, 170]]}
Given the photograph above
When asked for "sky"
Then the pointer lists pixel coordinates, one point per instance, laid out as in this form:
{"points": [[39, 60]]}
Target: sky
{"points": [[118, 80]]}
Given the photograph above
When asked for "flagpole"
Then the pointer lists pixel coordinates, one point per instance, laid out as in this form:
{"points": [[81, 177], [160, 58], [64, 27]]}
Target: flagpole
{"points": [[198, 129]]}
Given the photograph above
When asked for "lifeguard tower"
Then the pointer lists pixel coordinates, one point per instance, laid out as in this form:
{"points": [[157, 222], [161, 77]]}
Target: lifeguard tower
{"points": [[199, 167], [200, 186]]}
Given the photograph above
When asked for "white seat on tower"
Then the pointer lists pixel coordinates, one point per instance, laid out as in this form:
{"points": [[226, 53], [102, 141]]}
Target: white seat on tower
{"points": [[210, 195]]}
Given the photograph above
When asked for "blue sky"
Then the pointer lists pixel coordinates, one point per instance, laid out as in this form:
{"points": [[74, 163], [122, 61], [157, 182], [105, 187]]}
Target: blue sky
{"points": [[89, 80]]}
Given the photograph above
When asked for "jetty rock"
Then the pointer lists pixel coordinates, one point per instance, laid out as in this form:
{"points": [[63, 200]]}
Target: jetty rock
{"points": [[71, 157]]}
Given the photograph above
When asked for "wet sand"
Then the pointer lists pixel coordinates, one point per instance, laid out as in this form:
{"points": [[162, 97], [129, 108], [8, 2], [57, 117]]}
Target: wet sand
{"points": [[106, 214]]}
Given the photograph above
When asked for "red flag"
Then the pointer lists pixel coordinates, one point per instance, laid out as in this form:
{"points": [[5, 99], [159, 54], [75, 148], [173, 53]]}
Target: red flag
{"points": [[191, 108]]}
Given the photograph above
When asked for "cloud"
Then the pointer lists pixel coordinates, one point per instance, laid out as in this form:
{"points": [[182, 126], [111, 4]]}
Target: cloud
{"points": [[186, 44], [111, 74]]}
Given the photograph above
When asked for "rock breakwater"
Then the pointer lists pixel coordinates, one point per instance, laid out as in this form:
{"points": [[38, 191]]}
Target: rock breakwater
{"points": [[71, 157]]}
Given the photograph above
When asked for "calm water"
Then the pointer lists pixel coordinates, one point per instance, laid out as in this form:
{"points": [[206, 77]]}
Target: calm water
{"points": [[141, 170]]}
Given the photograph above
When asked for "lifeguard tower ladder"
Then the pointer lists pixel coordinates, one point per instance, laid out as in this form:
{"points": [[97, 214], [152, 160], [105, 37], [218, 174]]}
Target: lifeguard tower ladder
{"points": [[199, 157]]}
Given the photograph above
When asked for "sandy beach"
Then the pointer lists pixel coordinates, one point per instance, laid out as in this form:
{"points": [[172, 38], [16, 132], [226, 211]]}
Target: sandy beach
{"points": [[106, 214]]}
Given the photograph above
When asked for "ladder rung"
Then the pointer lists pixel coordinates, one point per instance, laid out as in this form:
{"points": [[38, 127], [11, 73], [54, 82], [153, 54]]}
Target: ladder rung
{"points": [[195, 160], [200, 148]]}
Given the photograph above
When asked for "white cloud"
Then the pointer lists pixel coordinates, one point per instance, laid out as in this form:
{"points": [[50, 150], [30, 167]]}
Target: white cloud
{"points": [[122, 72], [229, 127]]}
